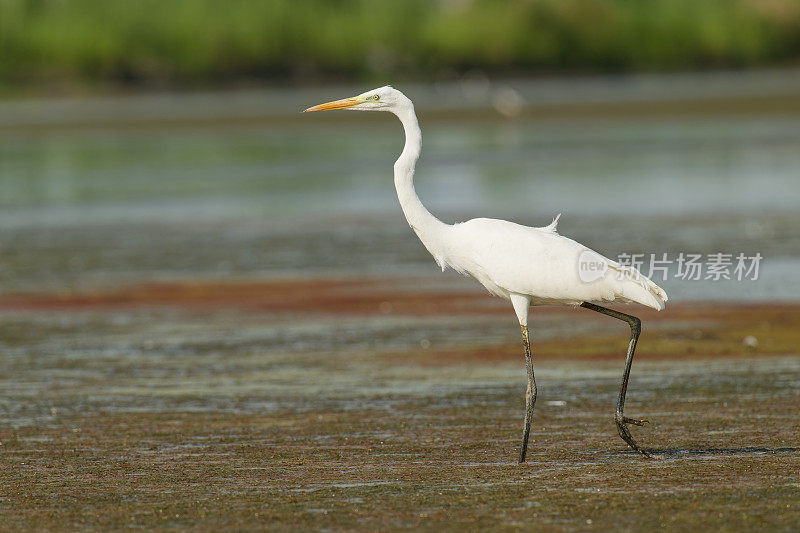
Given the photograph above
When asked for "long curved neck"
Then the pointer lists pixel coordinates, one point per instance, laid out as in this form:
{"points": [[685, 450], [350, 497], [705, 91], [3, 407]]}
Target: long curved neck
{"points": [[425, 225]]}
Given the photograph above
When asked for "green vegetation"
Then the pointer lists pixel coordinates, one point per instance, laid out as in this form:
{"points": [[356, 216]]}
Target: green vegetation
{"points": [[204, 41]]}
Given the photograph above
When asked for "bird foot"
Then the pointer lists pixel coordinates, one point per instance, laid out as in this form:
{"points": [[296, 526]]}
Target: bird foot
{"points": [[622, 427]]}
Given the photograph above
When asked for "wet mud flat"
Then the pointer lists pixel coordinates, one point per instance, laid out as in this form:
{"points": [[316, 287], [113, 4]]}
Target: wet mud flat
{"points": [[353, 404]]}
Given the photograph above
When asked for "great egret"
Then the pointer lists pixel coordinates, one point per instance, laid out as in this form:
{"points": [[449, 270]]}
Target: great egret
{"points": [[529, 266]]}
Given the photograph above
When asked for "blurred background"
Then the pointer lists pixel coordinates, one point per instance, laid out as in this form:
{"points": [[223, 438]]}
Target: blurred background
{"points": [[50, 45], [209, 300], [154, 140]]}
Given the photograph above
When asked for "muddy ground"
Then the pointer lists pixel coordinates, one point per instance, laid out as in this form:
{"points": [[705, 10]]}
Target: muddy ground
{"points": [[362, 404]]}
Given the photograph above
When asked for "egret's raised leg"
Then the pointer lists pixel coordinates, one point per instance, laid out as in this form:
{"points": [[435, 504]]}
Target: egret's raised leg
{"points": [[530, 395], [619, 418]]}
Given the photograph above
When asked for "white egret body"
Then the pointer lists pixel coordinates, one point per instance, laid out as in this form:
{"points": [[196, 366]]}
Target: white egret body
{"points": [[529, 266]]}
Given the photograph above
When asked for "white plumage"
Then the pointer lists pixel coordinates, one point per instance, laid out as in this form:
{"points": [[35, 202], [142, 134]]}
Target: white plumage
{"points": [[529, 266], [523, 264], [538, 263]]}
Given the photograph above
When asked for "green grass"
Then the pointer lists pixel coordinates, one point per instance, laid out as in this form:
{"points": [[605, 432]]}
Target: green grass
{"points": [[204, 41]]}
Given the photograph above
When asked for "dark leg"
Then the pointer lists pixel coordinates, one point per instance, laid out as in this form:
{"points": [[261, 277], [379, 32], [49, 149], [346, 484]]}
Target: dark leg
{"points": [[530, 395], [621, 420]]}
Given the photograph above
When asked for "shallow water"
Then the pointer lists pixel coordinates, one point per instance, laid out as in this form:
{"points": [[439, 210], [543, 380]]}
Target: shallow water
{"points": [[111, 200], [166, 418], [166, 404]]}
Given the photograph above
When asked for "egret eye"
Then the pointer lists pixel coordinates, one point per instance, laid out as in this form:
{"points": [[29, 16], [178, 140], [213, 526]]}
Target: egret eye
{"points": [[376, 97]]}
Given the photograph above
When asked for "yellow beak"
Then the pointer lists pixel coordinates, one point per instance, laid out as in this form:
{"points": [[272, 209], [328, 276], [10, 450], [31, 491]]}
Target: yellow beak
{"points": [[336, 104]]}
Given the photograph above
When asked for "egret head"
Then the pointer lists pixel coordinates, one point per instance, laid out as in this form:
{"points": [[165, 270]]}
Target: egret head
{"points": [[380, 99]]}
